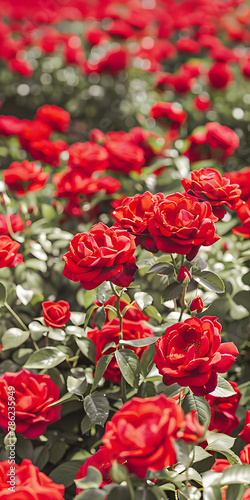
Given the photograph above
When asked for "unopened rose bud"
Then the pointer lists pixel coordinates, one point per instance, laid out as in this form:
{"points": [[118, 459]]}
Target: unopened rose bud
{"points": [[184, 276], [196, 305], [224, 246], [30, 209]]}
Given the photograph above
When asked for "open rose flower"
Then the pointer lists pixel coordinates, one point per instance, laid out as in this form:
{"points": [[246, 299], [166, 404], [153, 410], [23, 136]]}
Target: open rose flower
{"points": [[56, 314], [124, 155], [142, 433], [88, 157], [167, 114], [131, 330], [33, 396], [72, 183], [245, 434], [134, 214], [223, 411], [222, 138], [28, 482], [8, 252], [101, 461], [181, 224], [191, 354], [34, 130], [243, 213], [133, 313], [102, 254], [57, 118], [24, 177], [207, 184], [47, 151], [241, 177]]}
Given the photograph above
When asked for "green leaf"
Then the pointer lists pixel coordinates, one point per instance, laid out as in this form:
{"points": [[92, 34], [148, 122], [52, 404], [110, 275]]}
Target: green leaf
{"points": [[200, 454], [182, 452], [172, 291], [236, 491], [57, 451], [66, 397], [162, 268], [89, 298], [100, 317], [92, 494], [246, 279], [37, 327], [96, 406], [101, 366], [92, 479], [3, 294], [48, 211], [139, 342], [200, 405], [77, 318], [66, 473], [45, 358], [24, 295], [147, 360], [87, 347], [76, 386], [243, 298], [152, 312], [119, 472], [104, 292], [110, 345], [14, 337], [223, 389], [218, 447], [209, 280], [129, 365], [36, 265], [224, 440], [143, 299], [236, 474], [212, 493]]}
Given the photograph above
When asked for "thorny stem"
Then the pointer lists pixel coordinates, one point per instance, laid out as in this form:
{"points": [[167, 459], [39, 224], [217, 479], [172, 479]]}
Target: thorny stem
{"points": [[182, 302]]}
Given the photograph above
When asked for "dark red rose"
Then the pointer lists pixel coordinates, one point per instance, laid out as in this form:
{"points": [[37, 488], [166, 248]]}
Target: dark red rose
{"points": [[10, 125], [181, 82], [115, 60], [181, 224], [184, 275], [30, 483], [8, 252], [33, 396], [88, 157], [220, 75], [101, 461], [102, 254], [13, 222], [245, 434], [34, 130], [243, 213], [124, 155], [134, 214], [221, 137], [241, 177], [47, 151], [191, 354], [95, 35], [143, 431], [207, 184], [168, 113], [56, 314], [24, 177], [196, 305], [202, 103], [131, 330], [57, 118], [73, 51], [245, 454], [198, 148], [223, 417], [133, 313], [120, 29]]}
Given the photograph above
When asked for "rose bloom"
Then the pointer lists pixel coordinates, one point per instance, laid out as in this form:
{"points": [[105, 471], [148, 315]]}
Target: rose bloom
{"points": [[142, 433], [196, 305], [142, 138], [57, 118], [101, 461], [102, 254], [168, 114], [221, 137], [88, 157], [33, 395], [243, 213], [114, 60], [21, 66], [131, 330], [220, 75], [30, 483], [11, 221], [133, 313], [34, 130], [124, 155], [8, 252], [181, 224], [134, 215], [191, 354], [56, 314], [223, 418], [241, 177], [10, 125], [47, 151], [208, 185], [202, 103], [24, 177], [72, 183], [245, 434], [187, 45], [181, 81]]}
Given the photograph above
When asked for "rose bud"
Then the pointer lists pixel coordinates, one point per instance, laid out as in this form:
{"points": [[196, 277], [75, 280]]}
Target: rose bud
{"points": [[184, 276], [196, 305]]}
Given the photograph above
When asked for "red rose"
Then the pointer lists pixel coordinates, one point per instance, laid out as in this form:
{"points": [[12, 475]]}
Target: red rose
{"points": [[187, 45], [142, 434], [8, 252], [11, 221], [202, 103], [220, 75], [143, 138], [133, 313], [223, 418], [134, 214], [196, 305], [24, 177], [73, 183], [21, 66], [101, 461], [114, 60], [102, 254], [221, 137], [243, 213], [131, 330], [30, 483], [33, 396], [184, 275], [241, 177], [34, 130], [246, 495], [47, 151], [208, 185], [245, 454], [57, 118], [124, 155], [245, 434], [198, 148], [56, 314], [169, 113], [181, 224], [119, 28], [190, 353], [88, 157], [10, 125], [219, 466]]}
